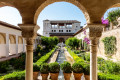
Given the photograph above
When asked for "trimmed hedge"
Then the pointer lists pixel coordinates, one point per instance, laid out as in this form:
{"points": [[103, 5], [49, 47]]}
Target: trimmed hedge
{"points": [[45, 57], [75, 57], [104, 76], [19, 75]]}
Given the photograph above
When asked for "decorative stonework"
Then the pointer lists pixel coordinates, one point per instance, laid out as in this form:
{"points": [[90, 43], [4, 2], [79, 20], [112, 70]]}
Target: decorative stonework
{"points": [[95, 30], [29, 30]]}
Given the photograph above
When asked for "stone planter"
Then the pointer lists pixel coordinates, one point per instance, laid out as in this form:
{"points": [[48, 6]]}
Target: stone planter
{"points": [[67, 76], [87, 77], [44, 76], [54, 76], [77, 76], [35, 75]]}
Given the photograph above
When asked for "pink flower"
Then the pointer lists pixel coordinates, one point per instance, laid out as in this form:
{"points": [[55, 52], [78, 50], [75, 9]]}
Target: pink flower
{"points": [[105, 21]]}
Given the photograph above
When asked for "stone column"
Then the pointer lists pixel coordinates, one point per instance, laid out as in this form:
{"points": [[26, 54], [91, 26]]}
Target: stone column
{"points": [[95, 32], [7, 45], [16, 44], [23, 45], [29, 32]]}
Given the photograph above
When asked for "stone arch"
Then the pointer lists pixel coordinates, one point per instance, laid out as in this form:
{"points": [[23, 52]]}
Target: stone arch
{"points": [[2, 39], [10, 4], [111, 6], [74, 2], [20, 40], [12, 39]]}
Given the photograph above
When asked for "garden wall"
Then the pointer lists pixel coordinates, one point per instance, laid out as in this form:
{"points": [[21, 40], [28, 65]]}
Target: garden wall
{"points": [[116, 33]]}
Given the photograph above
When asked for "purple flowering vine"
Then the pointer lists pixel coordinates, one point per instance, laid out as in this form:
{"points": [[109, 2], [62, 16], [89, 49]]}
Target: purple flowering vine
{"points": [[86, 39], [105, 21]]}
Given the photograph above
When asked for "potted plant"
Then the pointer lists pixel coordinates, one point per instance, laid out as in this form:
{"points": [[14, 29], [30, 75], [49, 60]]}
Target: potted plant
{"points": [[77, 70], [54, 69], [67, 70], [36, 70], [44, 69], [86, 70]]}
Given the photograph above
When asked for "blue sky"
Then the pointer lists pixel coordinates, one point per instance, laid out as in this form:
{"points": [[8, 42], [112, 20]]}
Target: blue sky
{"points": [[55, 11]]}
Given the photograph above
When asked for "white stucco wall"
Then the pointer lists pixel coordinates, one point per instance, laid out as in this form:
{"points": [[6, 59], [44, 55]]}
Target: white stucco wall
{"points": [[2, 50], [12, 49], [20, 48]]}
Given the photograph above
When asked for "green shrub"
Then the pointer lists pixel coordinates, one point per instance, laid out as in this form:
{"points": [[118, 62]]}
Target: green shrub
{"points": [[109, 45], [54, 67], [14, 76], [66, 67], [77, 68], [100, 60], [101, 67], [104, 76], [112, 67], [87, 56], [44, 68], [4, 66], [86, 69], [36, 68], [45, 57]]}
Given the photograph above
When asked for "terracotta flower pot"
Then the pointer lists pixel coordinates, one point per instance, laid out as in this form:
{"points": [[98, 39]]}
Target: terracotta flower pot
{"points": [[54, 76], [77, 76], [35, 75], [44, 76], [87, 77], [67, 76]]}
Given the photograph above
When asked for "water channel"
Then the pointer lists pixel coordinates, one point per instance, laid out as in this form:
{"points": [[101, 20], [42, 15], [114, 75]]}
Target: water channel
{"points": [[60, 59]]}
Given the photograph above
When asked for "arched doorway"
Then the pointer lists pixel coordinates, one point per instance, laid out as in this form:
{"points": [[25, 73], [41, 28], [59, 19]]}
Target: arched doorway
{"points": [[61, 40], [12, 45], [2, 45], [20, 44]]}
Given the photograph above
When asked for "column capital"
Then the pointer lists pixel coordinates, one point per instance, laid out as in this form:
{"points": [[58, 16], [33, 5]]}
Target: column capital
{"points": [[95, 30], [29, 30]]}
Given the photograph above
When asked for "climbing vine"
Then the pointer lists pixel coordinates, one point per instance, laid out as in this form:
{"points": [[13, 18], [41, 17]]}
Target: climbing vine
{"points": [[109, 45]]}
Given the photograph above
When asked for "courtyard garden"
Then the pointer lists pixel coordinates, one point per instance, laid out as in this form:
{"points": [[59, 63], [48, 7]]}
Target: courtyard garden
{"points": [[107, 69], [14, 69]]}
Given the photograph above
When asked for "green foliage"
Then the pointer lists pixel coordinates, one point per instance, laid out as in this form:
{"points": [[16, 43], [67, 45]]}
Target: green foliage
{"points": [[86, 69], [36, 68], [4, 66], [112, 67], [109, 45], [113, 15], [45, 57], [100, 60], [49, 42], [104, 76], [44, 68], [54, 67], [87, 56], [75, 57], [19, 75], [77, 68], [80, 44], [66, 67], [72, 42]]}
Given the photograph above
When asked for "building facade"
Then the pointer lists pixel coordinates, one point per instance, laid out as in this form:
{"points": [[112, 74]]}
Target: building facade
{"points": [[63, 29], [11, 40]]}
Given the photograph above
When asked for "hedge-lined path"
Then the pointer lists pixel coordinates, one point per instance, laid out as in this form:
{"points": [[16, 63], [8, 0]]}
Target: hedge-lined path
{"points": [[52, 59], [71, 60]]}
